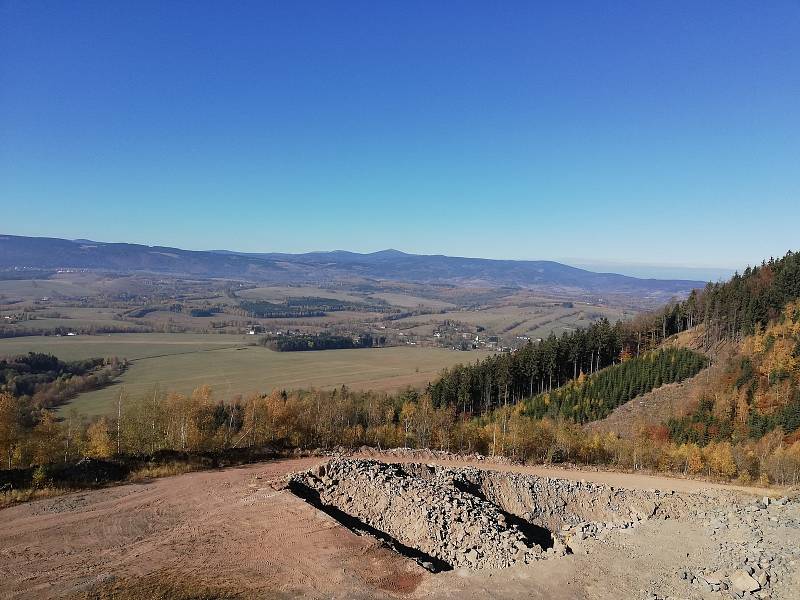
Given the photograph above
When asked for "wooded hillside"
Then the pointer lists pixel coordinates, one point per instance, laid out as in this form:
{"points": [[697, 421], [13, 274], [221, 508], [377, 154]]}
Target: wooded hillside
{"points": [[594, 397]]}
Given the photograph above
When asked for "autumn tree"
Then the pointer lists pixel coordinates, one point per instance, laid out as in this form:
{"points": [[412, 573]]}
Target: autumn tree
{"points": [[720, 459], [46, 440], [98, 440], [9, 427]]}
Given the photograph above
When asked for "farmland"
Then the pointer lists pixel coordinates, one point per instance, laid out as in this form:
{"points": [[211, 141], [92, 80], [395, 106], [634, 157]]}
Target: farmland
{"points": [[181, 362], [534, 319], [179, 332], [404, 313]]}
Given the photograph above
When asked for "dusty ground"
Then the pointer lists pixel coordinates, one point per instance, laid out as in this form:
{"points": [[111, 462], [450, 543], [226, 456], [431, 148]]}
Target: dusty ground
{"points": [[232, 534]]}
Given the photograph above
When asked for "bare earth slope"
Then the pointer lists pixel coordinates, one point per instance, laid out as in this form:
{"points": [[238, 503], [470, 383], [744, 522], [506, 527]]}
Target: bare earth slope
{"points": [[673, 399], [657, 406], [241, 533]]}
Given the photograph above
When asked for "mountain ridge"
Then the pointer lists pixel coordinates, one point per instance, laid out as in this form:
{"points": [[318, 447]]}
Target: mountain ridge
{"points": [[18, 252]]}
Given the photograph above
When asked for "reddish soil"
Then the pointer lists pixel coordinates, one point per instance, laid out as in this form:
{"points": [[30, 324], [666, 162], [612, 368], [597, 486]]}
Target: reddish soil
{"points": [[222, 530], [238, 533]]}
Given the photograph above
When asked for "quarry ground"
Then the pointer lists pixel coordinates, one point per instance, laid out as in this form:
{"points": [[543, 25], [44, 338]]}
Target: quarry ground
{"points": [[243, 533]]}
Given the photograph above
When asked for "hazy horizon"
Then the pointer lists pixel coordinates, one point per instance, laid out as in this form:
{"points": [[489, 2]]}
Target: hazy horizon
{"points": [[632, 269]]}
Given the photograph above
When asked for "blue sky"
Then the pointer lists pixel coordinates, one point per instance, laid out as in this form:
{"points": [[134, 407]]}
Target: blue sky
{"points": [[658, 133]]}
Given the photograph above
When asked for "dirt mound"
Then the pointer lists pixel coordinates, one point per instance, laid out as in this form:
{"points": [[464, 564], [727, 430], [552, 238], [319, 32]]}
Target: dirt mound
{"points": [[448, 517]]}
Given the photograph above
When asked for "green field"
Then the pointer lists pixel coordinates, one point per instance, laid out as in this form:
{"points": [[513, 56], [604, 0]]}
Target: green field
{"points": [[40, 288], [281, 293], [181, 362]]}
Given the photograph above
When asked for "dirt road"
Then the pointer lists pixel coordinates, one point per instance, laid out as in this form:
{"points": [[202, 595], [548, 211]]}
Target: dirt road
{"points": [[232, 534]]}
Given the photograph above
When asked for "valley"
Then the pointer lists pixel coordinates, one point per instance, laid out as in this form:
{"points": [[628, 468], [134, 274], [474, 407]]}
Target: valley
{"points": [[178, 331], [232, 366], [399, 300]]}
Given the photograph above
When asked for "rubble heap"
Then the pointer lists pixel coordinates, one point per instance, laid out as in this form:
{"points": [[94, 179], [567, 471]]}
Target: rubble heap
{"points": [[467, 517]]}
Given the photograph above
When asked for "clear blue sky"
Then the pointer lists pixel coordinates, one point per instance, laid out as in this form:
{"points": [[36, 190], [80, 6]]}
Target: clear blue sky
{"points": [[647, 132]]}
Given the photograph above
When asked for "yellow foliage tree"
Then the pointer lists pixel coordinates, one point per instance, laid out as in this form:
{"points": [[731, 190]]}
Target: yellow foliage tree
{"points": [[694, 459], [98, 440], [720, 459], [46, 440], [9, 428]]}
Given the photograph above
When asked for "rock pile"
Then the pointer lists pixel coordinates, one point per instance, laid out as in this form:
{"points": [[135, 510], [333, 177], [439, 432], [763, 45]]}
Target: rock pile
{"points": [[454, 527], [447, 516], [562, 504], [749, 562], [473, 518]]}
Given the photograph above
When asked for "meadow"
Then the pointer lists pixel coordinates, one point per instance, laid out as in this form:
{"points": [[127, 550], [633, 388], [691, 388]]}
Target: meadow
{"points": [[279, 293], [182, 362]]}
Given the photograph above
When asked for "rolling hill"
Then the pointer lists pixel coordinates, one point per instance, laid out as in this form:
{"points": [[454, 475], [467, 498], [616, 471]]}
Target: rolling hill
{"points": [[18, 252]]}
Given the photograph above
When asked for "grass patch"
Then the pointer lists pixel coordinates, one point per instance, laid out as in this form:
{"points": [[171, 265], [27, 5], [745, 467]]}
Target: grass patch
{"points": [[166, 470], [12, 497], [182, 362], [160, 585]]}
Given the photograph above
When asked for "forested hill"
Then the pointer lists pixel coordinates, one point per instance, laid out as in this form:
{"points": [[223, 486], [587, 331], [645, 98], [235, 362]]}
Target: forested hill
{"points": [[746, 304], [27, 253], [757, 395], [540, 369], [731, 309], [594, 397]]}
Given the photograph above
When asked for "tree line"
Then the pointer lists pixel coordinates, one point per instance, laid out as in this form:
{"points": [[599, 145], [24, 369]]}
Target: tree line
{"points": [[13, 331], [506, 378], [307, 306], [41, 381], [261, 309], [199, 423], [323, 341]]}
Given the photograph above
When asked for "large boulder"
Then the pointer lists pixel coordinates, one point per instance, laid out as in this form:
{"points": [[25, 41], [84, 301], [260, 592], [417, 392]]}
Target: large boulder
{"points": [[742, 581]]}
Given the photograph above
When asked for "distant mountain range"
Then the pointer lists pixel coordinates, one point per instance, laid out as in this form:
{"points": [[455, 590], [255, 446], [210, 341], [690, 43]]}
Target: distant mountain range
{"points": [[17, 252]]}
